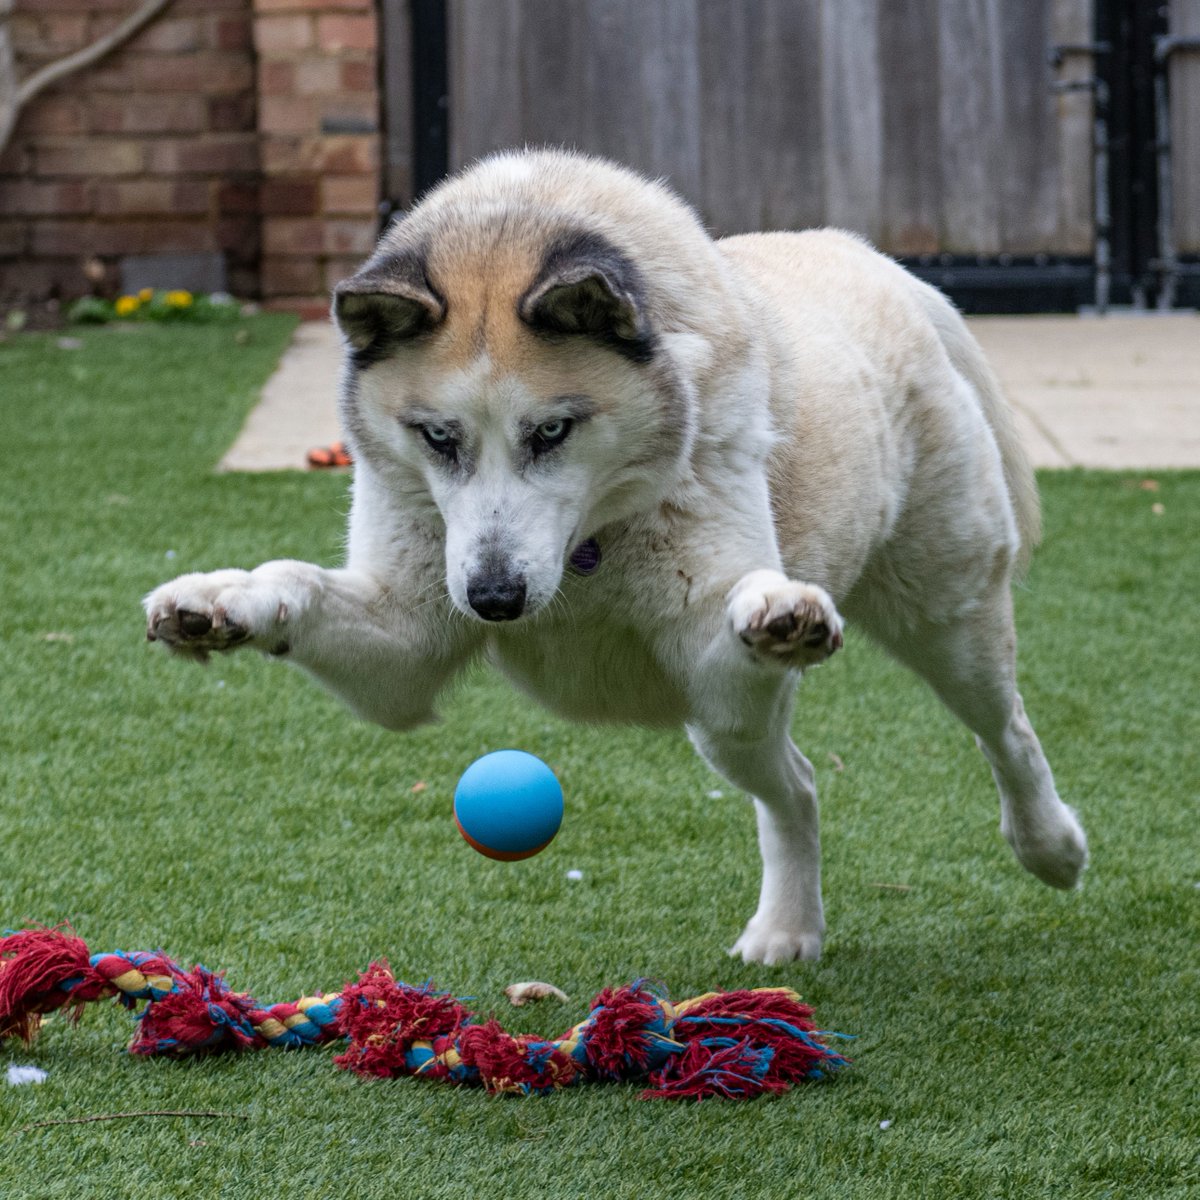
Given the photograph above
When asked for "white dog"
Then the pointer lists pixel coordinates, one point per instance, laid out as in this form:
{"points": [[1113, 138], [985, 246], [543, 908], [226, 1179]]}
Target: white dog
{"points": [[642, 471]]}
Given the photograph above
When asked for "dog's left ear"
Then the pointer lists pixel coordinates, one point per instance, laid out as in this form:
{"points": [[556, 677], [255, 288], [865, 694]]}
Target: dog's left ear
{"points": [[586, 285], [390, 300]]}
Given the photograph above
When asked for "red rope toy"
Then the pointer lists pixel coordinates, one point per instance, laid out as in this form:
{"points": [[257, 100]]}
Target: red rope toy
{"points": [[736, 1044]]}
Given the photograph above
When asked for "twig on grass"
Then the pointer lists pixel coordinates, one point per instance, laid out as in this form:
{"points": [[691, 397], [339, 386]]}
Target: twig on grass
{"points": [[123, 1116]]}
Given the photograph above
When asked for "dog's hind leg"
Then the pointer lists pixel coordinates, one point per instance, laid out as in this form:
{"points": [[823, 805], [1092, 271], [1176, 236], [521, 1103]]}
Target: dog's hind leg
{"points": [[970, 662]]}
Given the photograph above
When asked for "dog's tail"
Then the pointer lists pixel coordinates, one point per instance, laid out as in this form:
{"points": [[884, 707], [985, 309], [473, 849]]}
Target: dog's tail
{"points": [[968, 360]]}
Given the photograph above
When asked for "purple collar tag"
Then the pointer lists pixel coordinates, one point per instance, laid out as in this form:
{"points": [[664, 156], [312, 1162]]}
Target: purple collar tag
{"points": [[585, 558]]}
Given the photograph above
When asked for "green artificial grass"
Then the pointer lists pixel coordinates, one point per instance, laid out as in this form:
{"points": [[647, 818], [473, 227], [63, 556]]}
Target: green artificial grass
{"points": [[1021, 1042]]}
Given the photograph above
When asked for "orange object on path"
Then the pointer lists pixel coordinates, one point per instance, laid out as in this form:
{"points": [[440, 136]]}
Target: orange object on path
{"points": [[334, 455]]}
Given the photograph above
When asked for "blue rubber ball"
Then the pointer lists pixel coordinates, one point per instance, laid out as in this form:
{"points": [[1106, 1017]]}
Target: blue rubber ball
{"points": [[508, 805]]}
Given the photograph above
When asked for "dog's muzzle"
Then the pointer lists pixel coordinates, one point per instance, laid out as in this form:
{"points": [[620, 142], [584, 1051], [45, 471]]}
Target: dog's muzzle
{"points": [[496, 595]]}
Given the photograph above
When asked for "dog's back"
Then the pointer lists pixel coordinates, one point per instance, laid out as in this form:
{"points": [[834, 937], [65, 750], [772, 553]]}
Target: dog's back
{"points": [[897, 466]]}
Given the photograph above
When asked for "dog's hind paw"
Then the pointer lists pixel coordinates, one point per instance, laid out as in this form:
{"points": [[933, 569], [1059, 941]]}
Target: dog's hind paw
{"points": [[781, 620]]}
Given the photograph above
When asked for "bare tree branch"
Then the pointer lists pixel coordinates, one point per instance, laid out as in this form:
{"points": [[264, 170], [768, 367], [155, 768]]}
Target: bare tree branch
{"points": [[14, 97]]}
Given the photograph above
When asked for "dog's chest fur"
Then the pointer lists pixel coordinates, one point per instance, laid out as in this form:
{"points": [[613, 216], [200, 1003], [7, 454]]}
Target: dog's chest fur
{"points": [[591, 655]]}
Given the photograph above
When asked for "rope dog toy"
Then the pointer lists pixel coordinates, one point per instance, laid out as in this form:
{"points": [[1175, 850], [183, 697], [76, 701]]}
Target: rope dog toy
{"points": [[736, 1044]]}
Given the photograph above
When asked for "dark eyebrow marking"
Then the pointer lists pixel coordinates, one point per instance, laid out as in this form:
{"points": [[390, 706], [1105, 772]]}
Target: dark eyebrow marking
{"points": [[575, 405], [421, 414]]}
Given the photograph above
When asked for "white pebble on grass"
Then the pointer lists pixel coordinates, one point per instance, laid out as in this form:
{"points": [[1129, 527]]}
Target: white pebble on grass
{"points": [[885, 1124], [19, 1075], [575, 875]]}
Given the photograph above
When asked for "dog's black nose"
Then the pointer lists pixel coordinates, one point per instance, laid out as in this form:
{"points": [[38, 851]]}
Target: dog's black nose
{"points": [[497, 597]]}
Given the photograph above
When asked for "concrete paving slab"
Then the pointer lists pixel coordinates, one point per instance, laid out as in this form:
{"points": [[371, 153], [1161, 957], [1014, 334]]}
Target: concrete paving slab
{"points": [[298, 408], [1118, 391]]}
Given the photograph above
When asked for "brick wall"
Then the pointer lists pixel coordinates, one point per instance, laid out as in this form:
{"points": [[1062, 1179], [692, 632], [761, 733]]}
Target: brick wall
{"points": [[242, 127], [318, 122]]}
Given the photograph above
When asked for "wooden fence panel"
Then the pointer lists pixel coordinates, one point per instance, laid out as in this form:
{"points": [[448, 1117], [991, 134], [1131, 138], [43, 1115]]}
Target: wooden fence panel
{"points": [[927, 126], [1185, 128]]}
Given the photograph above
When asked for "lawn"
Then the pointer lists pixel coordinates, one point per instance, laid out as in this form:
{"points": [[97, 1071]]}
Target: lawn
{"points": [[1011, 1041]]}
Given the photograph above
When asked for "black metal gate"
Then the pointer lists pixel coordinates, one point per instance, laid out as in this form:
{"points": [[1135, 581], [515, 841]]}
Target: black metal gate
{"points": [[1125, 68], [1133, 53]]}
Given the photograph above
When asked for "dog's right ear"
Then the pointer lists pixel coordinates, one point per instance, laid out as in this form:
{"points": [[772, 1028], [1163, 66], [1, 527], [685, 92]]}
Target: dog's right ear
{"points": [[389, 301]]}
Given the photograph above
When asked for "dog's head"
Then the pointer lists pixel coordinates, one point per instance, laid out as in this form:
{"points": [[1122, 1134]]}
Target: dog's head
{"points": [[509, 368]]}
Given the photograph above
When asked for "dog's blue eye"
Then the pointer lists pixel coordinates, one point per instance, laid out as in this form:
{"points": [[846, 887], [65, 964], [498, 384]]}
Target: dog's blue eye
{"points": [[440, 439], [550, 434]]}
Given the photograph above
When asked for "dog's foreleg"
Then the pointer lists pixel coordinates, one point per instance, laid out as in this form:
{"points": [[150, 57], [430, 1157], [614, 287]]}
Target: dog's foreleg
{"points": [[784, 621], [789, 921], [772, 626], [385, 658]]}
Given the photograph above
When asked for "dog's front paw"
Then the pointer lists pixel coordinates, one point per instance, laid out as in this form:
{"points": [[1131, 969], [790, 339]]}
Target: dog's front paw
{"points": [[781, 620], [196, 615], [767, 943]]}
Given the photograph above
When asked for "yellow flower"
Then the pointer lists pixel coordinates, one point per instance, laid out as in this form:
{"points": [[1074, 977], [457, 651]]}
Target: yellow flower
{"points": [[127, 305], [177, 299], [146, 295]]}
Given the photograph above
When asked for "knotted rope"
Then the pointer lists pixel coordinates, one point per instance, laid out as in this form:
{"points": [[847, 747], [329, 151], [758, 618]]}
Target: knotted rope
{"points": [[736, 1044]]}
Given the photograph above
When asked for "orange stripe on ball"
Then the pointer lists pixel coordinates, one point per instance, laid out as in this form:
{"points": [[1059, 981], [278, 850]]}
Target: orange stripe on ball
{"points": [[500, 855]]}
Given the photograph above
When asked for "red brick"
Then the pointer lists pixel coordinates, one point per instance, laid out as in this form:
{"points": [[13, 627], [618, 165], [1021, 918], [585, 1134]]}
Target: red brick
{"points": [[39, 279], [90, 156], [57, 239], [16, 158], [349, 194], [172, 35], [192, 196], [317, 74], [276, 77], [233, 33], [334, 270], [238, 198], [53, 113], [76, 6], [133, 197], [152, 237], [239, 237], [350, 235], [203, 156], [292, 235], [269, 6], [233, 114], [209, 72], [273, 35], [208, 6], [290, 276], [289, 198], [346, 31], [146, 72], [287, 114], [152, 197], [343, 154], [25, 34], [30, 197], [61, 33], [133, 113], [14, 237], [243, 280], [359, 75]]}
